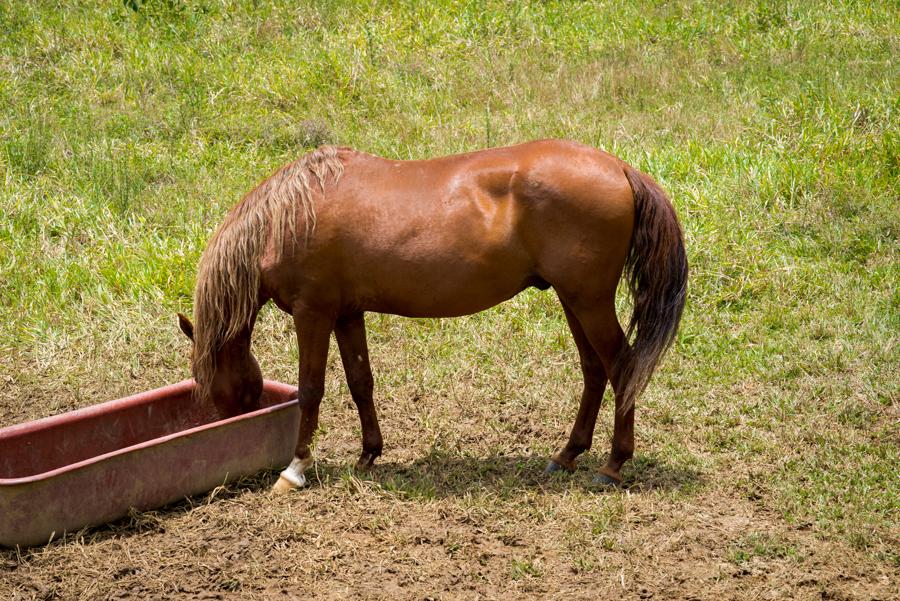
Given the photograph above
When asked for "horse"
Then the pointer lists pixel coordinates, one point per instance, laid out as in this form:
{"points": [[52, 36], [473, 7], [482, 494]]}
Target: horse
{"points": [[339, 232]]}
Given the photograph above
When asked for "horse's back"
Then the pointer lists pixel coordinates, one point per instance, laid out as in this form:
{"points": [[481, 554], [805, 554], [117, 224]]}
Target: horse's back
{"points": [[541, 179]]}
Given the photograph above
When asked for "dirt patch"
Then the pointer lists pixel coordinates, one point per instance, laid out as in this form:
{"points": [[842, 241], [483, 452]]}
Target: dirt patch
{"points": [[458, 508], [349, 538]]}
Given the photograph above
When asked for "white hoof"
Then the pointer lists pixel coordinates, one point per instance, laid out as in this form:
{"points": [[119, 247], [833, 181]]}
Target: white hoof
{"points": [[292, 477], [284, 485]]}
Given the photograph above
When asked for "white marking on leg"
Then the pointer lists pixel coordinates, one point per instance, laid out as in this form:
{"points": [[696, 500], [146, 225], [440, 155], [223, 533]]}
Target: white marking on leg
{"points": [[294, 472]]}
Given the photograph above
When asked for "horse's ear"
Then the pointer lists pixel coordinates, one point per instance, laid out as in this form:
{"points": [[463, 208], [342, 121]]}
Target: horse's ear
{"points": [[186, 326]]}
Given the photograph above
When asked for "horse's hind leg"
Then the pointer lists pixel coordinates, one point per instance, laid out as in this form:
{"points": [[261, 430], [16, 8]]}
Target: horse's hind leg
{"points": [[313, 332], [591, 397], [602, 329], [622, 445], [351, 338]]}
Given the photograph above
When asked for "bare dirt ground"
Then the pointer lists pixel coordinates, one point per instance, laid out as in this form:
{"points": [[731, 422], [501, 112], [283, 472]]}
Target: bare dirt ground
{"points": [[345, 539], [457, 509]]}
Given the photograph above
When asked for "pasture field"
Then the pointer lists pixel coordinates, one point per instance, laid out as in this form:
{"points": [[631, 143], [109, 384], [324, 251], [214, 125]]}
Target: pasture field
{"points": [[768, 443]]}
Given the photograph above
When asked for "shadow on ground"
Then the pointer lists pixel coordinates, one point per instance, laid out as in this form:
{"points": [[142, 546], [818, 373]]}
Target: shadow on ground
{"points": [[440, 476]]}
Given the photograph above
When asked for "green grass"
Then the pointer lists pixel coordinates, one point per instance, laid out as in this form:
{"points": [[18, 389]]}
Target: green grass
{"points": [[126, 134], [760, 545]]}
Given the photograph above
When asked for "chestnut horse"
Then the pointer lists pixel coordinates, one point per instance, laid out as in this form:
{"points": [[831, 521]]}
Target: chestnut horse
{"points": [[341, 232]]}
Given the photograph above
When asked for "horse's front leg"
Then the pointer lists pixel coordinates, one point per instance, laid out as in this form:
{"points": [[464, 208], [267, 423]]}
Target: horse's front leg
{"points": [[313, 331], [350, 332]]}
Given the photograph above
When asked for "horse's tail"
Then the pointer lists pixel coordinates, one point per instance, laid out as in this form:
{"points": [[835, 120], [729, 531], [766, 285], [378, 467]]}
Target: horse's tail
{"points": [[227, 296], [656, 270]]}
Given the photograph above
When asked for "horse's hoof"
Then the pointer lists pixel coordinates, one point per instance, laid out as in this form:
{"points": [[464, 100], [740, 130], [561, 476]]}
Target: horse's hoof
{"points": [[364, 464], [292, 477], [553, 467], [284, 485], [604, 480]]}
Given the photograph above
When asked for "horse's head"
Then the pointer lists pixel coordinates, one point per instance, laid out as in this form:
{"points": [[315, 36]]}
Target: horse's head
{"points": [[229, 376]]}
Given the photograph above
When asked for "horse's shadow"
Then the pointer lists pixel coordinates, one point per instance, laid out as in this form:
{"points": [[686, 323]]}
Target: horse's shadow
{"points": [[434, 476], [440, 475]]}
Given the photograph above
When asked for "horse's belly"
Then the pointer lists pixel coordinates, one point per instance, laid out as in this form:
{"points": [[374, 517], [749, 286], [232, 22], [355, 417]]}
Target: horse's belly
{"points": [[442, 290]]}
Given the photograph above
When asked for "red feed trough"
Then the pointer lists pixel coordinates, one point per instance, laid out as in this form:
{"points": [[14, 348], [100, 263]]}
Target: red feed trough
{"points": [[92, 465]]}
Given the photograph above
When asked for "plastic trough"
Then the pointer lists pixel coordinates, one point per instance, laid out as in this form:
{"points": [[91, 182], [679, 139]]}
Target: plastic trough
{"points": [[92, 465]]}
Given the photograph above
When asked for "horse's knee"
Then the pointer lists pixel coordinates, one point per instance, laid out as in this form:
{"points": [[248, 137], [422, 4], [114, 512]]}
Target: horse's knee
{"points": [[361, 384], [310, 394]]}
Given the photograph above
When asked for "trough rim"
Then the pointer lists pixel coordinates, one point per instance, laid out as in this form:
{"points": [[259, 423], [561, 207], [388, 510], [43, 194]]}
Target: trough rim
{"points": [[135, 399]]}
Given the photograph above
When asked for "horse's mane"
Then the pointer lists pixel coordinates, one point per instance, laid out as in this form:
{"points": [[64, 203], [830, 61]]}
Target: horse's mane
{"points": [[226, 297]]}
